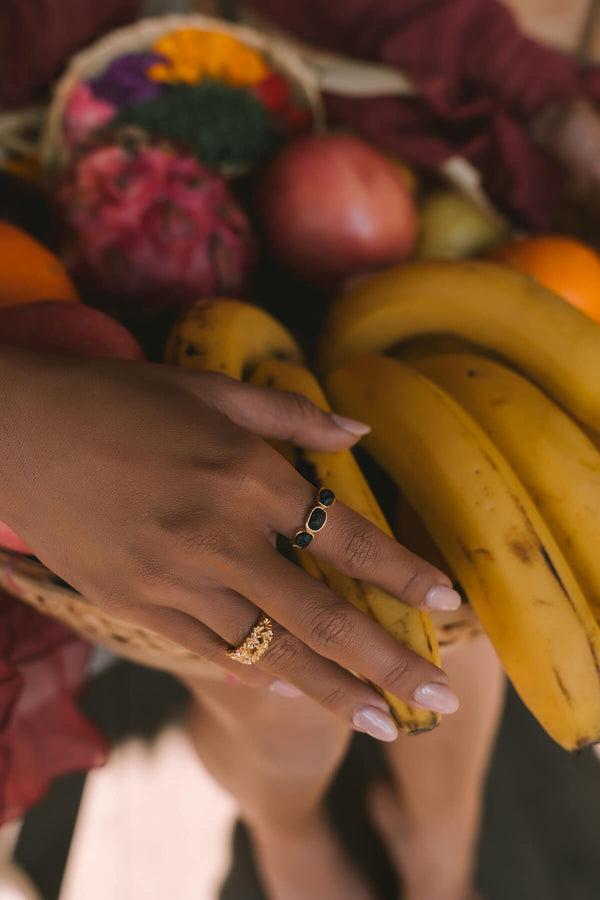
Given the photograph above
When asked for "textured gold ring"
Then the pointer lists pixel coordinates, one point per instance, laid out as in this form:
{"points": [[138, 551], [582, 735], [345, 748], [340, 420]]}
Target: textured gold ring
{"points": [[254, 647], [315, 520]]}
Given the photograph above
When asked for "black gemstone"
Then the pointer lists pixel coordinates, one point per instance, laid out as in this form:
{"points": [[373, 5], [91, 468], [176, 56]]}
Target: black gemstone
{"points": [[317, 519], [326, 497], [303, 539]]}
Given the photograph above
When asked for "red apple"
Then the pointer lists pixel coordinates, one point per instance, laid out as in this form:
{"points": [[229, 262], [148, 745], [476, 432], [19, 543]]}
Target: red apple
{"points": [[332, 206], [72, 329]]}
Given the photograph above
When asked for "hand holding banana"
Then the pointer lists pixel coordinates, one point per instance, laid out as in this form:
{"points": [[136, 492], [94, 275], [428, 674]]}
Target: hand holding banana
{"points": [[354, 558]]}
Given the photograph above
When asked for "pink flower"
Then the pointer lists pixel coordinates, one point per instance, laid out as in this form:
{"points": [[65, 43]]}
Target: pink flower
{"points": [[85, 113]]}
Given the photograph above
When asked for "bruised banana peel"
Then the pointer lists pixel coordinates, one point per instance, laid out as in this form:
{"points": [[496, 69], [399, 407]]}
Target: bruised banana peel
{"points": [[553, 457], [487, 527]]}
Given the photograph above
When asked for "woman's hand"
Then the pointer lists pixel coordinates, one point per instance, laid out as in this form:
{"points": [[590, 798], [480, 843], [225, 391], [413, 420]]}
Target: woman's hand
{"points": [[151, 491]]}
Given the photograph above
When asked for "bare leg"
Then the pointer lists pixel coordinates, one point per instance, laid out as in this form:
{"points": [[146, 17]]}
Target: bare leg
{"points": [[277, 756], [431, 823]]}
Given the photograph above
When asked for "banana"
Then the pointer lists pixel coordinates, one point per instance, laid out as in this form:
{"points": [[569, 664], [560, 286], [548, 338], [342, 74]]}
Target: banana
{"points": [[490, 305], [341, 473], [227, 336], [555, 460], [451, 630], [487, 527]]}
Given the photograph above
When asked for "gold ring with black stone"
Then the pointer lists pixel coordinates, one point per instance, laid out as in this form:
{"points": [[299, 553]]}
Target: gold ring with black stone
{"points": [[315, 520]]}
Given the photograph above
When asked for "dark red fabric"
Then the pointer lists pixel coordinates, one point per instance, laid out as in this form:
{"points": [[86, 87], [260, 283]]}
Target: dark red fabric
{"points": [[38, 36], [43, 668], [479, 79], [455, 50]]}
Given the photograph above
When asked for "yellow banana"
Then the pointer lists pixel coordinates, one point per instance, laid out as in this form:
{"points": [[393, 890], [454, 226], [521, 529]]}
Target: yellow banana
{"points": [[491, 305], [487, 527], [341, 473], [228, 336], [556, 461]]}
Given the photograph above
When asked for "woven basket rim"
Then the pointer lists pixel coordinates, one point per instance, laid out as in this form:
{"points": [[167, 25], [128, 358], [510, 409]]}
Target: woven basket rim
{"points": [[27, 579], [130, 38]]}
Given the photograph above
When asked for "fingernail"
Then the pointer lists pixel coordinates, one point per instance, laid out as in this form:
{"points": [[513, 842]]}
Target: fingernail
{"points": [[230, 679], [351, 425], [375, 722], [436, 697], [442, 597], [284, 688]]}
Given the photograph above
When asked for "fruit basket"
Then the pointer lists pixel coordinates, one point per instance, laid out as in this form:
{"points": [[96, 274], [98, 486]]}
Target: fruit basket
{"points": [[141, 36]]}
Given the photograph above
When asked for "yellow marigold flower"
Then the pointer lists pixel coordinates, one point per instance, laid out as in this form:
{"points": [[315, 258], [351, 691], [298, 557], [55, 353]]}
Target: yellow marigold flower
{"points": [[194, 55]]}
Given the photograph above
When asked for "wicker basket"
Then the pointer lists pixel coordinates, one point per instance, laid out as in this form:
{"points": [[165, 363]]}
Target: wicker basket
{"points": [[30, 581], [93, 60]]}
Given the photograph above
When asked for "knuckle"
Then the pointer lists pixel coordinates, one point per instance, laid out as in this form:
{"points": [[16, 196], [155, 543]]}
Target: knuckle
{"points": [[249, 478], [149, 573], [412, 576], [331, 629], [401, 669], [299, 408], [285, 652], [362, 548], [198, 535], [335, 699]]}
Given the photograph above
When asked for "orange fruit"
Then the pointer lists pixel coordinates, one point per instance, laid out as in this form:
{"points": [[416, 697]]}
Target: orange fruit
{"points": [[28, 271], [564, 265]]}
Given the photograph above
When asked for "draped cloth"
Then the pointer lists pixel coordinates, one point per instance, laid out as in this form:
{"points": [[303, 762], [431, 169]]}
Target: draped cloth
{"points": [[43, 668]]}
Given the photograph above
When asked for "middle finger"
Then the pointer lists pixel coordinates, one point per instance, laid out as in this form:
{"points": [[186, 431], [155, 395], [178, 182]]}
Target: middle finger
{"points": [[355, 546]]}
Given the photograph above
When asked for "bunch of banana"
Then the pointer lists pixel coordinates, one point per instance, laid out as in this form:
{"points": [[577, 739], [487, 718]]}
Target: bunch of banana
{"points": [[553, 457], [482, 303], [492, 535], [507, 484], [245, 342]]}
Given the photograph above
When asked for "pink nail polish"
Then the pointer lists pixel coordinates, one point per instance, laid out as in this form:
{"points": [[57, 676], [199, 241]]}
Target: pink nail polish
{"points": [[284, 689], [351, 425], [373, 721], [436, 697], [441, 597]]}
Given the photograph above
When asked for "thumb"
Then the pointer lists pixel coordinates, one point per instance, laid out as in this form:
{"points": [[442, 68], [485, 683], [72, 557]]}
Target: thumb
{"points": [[272, 413]]}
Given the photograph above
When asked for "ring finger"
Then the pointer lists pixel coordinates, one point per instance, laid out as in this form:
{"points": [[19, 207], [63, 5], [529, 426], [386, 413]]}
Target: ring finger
{"points": [[233, 617]]}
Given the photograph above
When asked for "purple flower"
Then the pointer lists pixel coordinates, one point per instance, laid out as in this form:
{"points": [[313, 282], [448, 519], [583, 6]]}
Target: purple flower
{"points": [[125, 80]]}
